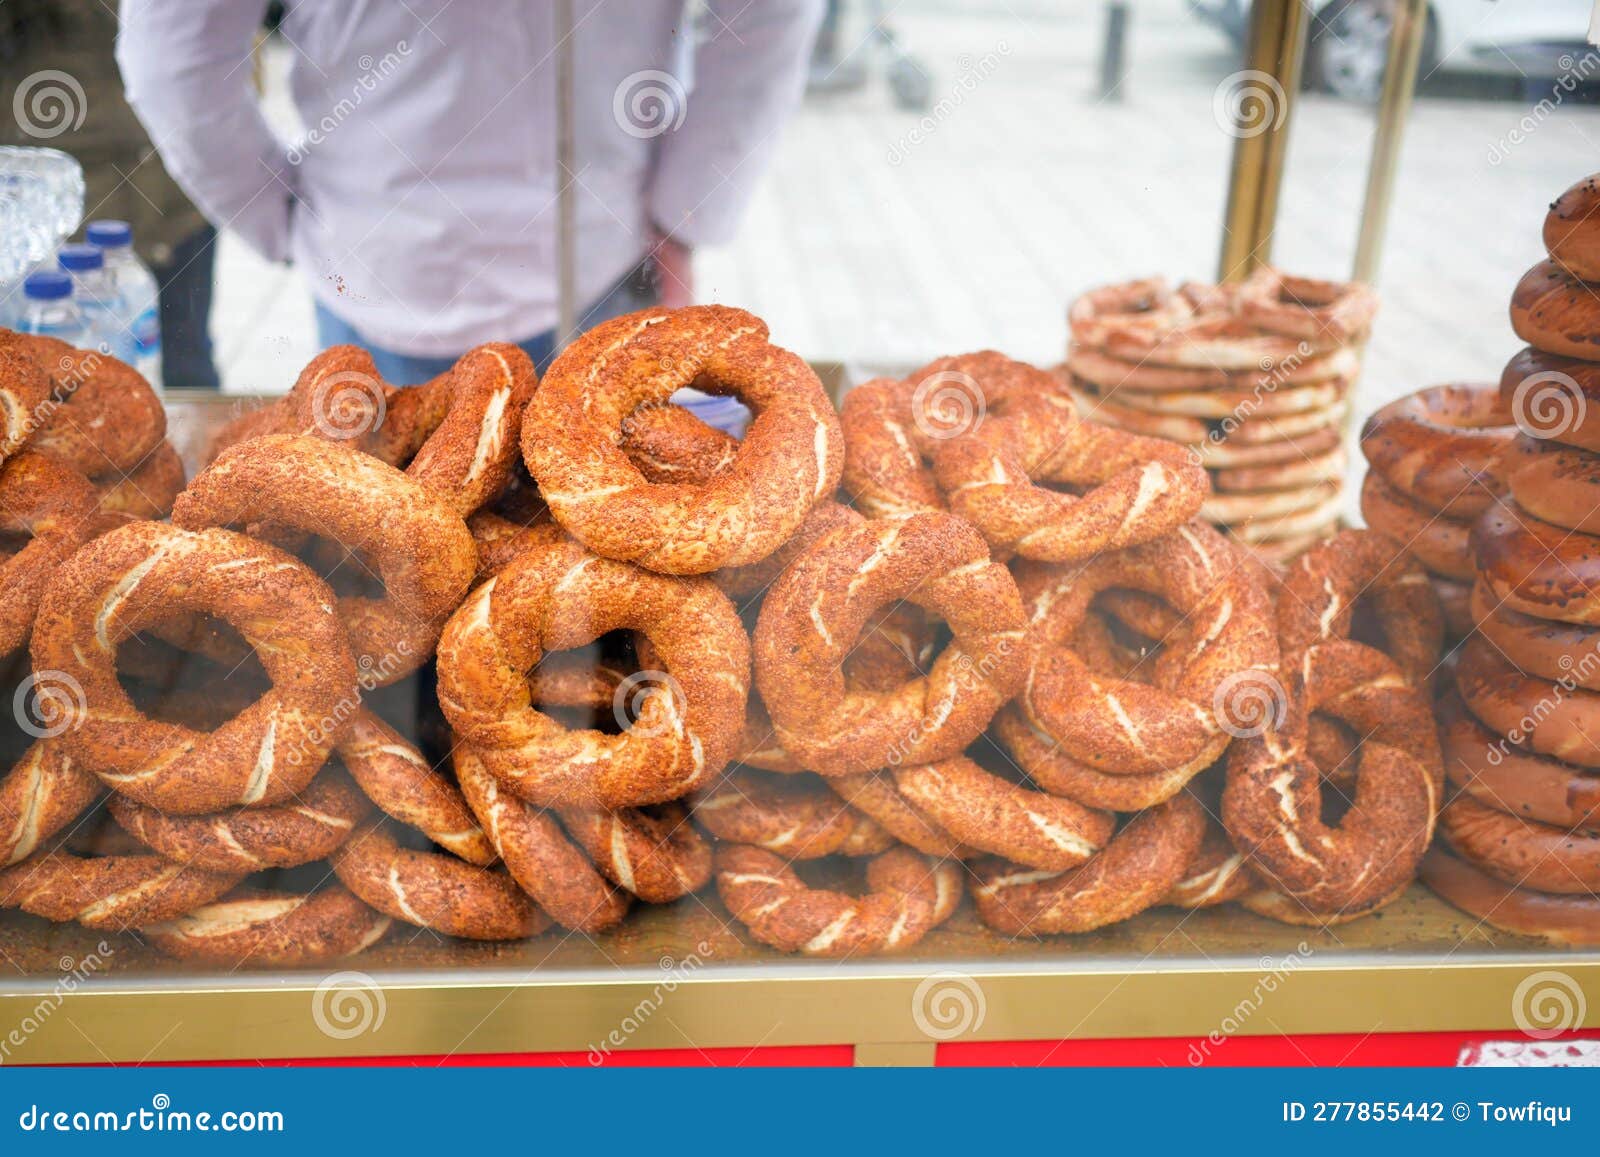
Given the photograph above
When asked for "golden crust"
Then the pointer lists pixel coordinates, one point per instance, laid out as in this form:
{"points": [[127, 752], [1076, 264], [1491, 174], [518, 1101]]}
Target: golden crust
{"points": [[101, 417], [1272, 803], [146, 491], [1561, 722], [1555, 312], [422, 549], [789, 459], [251, 839], [1440, 543], [39, 797], [1441, 447], [1572, 921], [794, 816], [56, 508], [115, 892], [907, 896], [1137, 870], [690, 713], [435, 890], [538, 854], [256, 928], [145, 572], [814, 613]]}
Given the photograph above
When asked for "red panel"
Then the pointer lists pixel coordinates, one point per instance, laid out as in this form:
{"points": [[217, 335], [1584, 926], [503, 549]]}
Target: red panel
{"points": [[1328, 1050]]}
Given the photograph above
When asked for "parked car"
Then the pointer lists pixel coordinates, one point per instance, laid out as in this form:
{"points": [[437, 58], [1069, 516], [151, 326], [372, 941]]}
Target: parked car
{"points": [[1348, 41]]}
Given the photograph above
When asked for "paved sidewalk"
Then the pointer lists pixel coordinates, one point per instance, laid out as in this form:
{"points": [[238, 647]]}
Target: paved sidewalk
{"points": [[885, 238]]}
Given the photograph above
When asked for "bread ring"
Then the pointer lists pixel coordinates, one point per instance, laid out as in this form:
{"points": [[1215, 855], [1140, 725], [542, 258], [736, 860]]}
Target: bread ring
{"points": [[1554, 483], [1525, 853], [56, 508], [1224, 653], [147, 571], [468, 451], [251, 839], [538, 854], [1538, 569], [1146, 423], [1246, 508], [1440, 543], [270, 929], [875, 796], [1319, 595], [1553, 397], [114, 892], [25, 392], [147, 491], [1292, 531], [656, 855], [422, 549], [1571, 921], [1148, 305], [1108, 375], [907, 896], [433, 890], [790, 457], [691, 712], [1287, 910], [885, 451], [1222, 452], [1505, 776], [1266, 402], [982, 811], [1141, 488], [1572, 230], [39, 797], [102, 416], [796, 817], [1255, 430], [1216, 875], [393, 774], [1544, 647], [1137, 870], [1440, 446], [1219, 342], [1271, 805], [1555, 720], [1555, 312], [893, 429], [814, 613], [669, 444], [1302, 307], [1303, 472], [746, 582]]}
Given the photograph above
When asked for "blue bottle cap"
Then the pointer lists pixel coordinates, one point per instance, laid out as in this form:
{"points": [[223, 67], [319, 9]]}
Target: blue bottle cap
{"points": [[47, 285], [79, 258], [109, 234]]}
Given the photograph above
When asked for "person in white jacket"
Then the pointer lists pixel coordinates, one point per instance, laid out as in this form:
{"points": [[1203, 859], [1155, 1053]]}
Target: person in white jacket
{"points": [[420, 197]]}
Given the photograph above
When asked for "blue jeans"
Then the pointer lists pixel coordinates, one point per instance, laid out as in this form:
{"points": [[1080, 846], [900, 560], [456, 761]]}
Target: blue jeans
{"points": [[634, 291]]}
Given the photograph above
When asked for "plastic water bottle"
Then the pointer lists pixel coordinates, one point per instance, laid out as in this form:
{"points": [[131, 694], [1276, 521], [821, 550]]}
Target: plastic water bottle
{"points": [[96, 297], [138, 298], [48, 307]]}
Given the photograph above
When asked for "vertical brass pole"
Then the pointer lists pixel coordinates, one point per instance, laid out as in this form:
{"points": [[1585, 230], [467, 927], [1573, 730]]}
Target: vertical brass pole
{"points": [[566, 191], [1394, 106], [1263, 95]]}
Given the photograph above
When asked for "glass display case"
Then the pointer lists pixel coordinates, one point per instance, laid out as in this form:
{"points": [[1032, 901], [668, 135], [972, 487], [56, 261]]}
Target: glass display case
{"points": [[549, 701]]}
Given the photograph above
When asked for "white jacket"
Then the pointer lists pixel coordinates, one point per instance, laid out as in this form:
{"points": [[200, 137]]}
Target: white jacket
{"points": [[421, 199]]}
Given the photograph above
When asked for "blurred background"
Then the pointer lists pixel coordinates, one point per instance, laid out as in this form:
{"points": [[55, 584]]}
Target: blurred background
{"points": [[960, 169]]}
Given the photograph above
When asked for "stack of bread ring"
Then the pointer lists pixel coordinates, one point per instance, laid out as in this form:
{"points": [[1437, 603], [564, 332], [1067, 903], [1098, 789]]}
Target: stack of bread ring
{"points": [[1521, 839], [1434, 462], [492, 654], [1253, 378]]}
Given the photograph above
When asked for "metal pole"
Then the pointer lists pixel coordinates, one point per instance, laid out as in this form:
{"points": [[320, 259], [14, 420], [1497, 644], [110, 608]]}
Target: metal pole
{"points": [[566, 166], [1265, 91], [1114, 53], [1394, 107]]}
